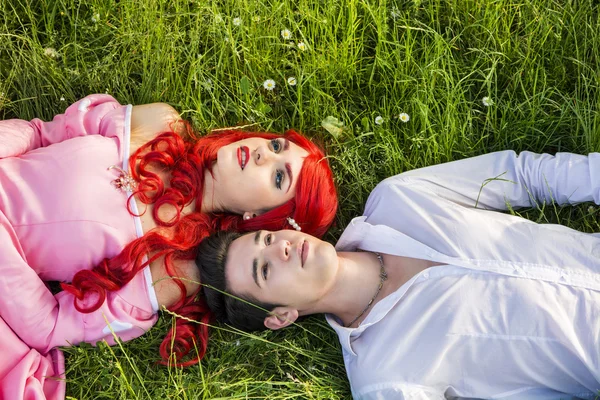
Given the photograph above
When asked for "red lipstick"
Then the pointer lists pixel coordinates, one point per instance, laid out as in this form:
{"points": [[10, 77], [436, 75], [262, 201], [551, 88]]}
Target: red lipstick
{"points": [[243, 154]]}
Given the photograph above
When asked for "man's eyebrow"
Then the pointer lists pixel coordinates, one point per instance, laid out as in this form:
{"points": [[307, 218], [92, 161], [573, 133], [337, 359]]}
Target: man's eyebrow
{"points": [[257, 237], [254, 273], [288, 168], [255, 261]]}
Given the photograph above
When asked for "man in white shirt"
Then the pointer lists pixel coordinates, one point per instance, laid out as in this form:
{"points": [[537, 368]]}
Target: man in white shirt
{"points": [[463, 302]]}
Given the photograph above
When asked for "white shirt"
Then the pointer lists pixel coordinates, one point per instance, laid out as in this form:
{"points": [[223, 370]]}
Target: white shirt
{"points": [[514, 313]]}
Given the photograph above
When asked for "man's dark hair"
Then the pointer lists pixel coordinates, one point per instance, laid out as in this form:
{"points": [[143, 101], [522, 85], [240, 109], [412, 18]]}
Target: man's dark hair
{"points": [[246, 314]]}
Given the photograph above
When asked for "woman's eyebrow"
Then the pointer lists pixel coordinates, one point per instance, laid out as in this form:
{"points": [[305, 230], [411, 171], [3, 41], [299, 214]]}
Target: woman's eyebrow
{"points": [[286, 144], [288, 168]]}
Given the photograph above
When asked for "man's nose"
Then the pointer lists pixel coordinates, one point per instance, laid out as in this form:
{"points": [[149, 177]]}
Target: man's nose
{"points": [[282, 249]]}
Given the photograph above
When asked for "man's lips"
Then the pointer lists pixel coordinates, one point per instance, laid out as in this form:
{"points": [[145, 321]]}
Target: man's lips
{"points": [[303, 249], [243, 153]]}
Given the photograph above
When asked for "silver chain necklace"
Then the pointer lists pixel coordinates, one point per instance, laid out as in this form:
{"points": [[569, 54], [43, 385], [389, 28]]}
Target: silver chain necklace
{"points": [[383, 277]]}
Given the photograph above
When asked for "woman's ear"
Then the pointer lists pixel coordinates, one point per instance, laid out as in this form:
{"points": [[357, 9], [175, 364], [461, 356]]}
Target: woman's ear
{"points": [[281, 317]]}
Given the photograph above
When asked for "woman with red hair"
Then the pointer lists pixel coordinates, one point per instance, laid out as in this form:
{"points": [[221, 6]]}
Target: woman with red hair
{"points": [[122, 230]]}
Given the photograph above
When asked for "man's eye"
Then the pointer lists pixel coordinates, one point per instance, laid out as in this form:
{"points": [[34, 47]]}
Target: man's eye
{"points": [[279, 175], [265, 270], [275, 145], [268, 239]]}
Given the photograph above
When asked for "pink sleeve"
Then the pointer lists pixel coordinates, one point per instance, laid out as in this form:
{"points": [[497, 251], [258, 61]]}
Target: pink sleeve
{"points": [[44, 321], [126, 313], [26, 374], [87, 116], [62, 325]]}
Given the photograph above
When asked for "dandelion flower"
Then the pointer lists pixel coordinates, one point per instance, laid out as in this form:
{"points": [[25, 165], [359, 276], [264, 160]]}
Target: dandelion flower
{"points": [[50, 52], [237, 21], [292, 81], [379, 120], [301, 46], [404, 117], [286, 34], [269, 84], [487, 101], [95, 18]]}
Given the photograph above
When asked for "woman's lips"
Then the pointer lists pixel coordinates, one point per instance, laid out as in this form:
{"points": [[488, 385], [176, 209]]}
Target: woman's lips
{"points": [[243, 154]]}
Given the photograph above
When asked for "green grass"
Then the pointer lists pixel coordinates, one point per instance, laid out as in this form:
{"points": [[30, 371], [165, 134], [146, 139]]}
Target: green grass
{"points": [[537, 60]]}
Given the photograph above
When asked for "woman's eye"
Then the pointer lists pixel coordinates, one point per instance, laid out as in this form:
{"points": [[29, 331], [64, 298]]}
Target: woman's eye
{"points": [[265, 270], [268, 239], [275, 145], [279, 175]]}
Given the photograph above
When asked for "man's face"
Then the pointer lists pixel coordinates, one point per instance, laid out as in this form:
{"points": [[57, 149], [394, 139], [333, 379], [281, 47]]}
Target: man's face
{"points": [[256, 175], [285, 267]]}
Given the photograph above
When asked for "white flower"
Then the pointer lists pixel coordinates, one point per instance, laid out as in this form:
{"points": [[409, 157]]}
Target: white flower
{"points": [[95, 18], [269, 84], [62, 98], [218, 18], [395, 13], [404, 117], [50, 52], [379, 120], [237, 21], [591, 209], [292, 81], [286, 34], [256, 18], [237, 342], [487, 101], [301, 46]]}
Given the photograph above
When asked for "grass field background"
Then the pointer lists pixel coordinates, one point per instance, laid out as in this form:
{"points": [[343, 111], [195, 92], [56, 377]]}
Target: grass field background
{"points": [[535, 61]]}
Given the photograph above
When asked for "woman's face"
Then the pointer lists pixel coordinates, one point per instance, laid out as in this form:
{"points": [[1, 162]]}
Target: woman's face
{"points": [[255, 175]]}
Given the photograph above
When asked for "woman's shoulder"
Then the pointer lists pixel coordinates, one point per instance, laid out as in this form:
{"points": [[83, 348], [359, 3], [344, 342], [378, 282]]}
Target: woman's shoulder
{"points": [[150, 120]]}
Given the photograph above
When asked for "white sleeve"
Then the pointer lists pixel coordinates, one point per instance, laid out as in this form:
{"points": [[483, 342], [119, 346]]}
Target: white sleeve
{"points": [[400, 391], [504, 179]]}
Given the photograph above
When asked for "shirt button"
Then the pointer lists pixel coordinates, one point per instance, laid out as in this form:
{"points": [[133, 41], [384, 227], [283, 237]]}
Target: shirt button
{"points": [[426, 274]]}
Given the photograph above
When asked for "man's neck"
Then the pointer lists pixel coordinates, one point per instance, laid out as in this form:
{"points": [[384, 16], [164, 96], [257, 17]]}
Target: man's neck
{"points": [[358, 280]]}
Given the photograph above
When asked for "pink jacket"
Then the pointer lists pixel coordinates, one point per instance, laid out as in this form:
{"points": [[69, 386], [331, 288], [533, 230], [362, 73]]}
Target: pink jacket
{"points": [[59, 213]]}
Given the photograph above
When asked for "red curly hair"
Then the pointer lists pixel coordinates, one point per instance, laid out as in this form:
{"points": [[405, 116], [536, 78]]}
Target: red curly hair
{"points": [[313, 208]]}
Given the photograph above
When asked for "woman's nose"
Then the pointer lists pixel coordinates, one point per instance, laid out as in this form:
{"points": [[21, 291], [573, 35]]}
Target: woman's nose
{"points": [[262, 155]]}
